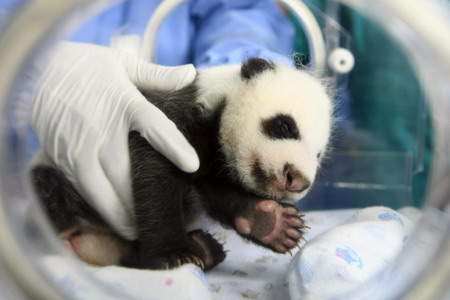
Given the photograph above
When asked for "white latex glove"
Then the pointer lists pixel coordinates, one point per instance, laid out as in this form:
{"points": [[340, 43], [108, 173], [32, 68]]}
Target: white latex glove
{"points": [[85, 104]]}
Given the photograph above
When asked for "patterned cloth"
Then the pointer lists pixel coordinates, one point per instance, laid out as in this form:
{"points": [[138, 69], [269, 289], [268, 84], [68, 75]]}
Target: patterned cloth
{"points": [[344, 248], [350, 254], [185, 283]]}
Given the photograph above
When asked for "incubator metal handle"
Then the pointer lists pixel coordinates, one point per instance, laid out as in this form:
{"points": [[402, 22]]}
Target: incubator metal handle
{"points": [[310, 26], [147, 51]]}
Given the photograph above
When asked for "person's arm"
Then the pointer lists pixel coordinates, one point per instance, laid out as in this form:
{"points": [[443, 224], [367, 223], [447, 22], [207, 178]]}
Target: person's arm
{"points": [[86, 102], [229, 31]]}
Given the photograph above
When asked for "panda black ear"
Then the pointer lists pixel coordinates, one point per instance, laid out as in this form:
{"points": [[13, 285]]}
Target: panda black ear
{"points": [[254, 66]]}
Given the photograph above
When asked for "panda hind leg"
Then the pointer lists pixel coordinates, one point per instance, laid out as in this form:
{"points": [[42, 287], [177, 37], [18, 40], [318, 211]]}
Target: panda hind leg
{"points": [[95, 244], [201, 249], [163, 242], [164, 260], [207, 248]]}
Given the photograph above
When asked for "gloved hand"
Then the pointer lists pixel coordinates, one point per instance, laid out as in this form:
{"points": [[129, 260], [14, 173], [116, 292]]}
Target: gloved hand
{"points": [[86, 102]]}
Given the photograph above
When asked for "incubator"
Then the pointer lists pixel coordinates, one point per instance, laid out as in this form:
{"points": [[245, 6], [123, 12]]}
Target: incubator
{"points": [[389, 162]]}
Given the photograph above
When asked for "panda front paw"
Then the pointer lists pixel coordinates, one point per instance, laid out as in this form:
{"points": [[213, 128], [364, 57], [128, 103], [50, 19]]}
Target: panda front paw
{"points": [[271, 224]]}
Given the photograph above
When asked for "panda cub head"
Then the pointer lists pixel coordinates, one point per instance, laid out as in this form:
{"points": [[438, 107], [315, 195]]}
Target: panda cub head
{"points": [[274, 127]]}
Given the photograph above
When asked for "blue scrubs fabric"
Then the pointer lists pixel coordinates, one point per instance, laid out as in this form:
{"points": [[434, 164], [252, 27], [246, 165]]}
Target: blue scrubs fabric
{"points": [[202, 32]]}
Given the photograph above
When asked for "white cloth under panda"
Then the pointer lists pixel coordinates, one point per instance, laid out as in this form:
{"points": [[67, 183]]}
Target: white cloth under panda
{"points": [[251, 272], [339, 260], [187, 282]]}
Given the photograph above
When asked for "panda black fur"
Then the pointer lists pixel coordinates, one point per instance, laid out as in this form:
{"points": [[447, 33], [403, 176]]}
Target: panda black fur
{"points": [[258, 129]]}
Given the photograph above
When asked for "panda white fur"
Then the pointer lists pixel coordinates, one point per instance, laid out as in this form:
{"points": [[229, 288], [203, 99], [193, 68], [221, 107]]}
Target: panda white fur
{"points": [[259, 129], [278, 91]]}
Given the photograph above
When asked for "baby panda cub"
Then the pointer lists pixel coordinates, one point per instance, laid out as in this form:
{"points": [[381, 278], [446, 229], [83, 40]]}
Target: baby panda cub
{"points": [[259, 129]]}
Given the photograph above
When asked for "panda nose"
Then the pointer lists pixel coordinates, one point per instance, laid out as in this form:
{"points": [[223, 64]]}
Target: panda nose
{"points": [[295, 182]]}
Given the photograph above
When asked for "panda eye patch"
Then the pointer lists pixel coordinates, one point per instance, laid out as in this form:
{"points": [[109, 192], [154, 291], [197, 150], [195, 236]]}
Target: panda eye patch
{"points": [[281, 126]]}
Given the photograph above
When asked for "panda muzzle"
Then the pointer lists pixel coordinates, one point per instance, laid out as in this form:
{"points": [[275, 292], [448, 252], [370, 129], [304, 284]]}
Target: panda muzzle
{"points": [[295, 182]]}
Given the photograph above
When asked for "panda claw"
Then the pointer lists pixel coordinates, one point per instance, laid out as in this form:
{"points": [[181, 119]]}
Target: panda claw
{"points": [[194, 260], [197, 261], [201, 264]]}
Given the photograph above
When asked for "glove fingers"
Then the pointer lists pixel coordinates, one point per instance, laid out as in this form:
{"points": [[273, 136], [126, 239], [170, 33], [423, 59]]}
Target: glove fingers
{"points": [[100, 193], [164, 136], [147, 76], [115, 162]]}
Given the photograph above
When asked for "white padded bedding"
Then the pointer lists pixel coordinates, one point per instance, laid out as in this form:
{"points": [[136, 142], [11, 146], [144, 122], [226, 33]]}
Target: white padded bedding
{"points": [[249, 271]]}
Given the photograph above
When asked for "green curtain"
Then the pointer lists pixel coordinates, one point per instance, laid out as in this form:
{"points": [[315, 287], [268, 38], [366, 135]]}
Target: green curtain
{"points": [[387, 103]]}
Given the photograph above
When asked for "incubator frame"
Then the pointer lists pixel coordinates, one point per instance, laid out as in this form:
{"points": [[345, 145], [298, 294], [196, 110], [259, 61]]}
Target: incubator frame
{"points": [[425, 37]]}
